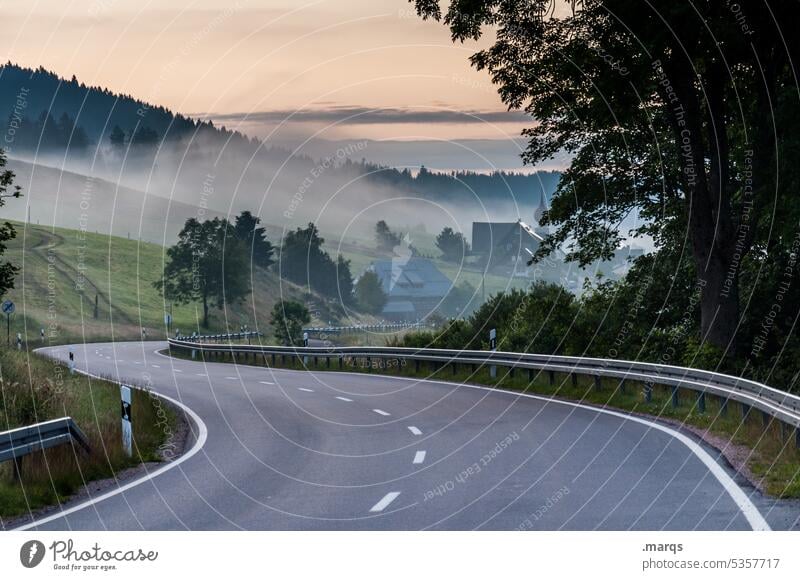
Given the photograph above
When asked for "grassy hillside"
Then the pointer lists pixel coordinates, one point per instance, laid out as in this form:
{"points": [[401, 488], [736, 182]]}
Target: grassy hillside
{"points": [[63, 270]]}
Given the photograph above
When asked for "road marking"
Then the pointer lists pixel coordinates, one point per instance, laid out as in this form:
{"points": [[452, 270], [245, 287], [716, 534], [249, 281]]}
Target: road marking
{"points": [[202, 375], [419, 457], [266, 383], [136, 362], [345, 399], [232, 378], [177, 370], [415, 431], [306, 390], [156, 366], [202, 436], [379, 412], [384, 503]]}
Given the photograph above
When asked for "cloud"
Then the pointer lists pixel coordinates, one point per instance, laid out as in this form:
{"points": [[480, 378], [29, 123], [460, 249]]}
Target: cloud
{"points": [[354, 115]]}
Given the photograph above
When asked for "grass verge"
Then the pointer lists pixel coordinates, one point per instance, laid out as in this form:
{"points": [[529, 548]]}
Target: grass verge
{"points": [[34, 389], [759, 447]]}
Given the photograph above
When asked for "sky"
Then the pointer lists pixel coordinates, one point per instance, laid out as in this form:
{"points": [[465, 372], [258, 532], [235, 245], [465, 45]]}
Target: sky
{"points": [[287, 71]]}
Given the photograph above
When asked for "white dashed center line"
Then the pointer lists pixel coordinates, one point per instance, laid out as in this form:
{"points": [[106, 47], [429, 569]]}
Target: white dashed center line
{"points": [[156, 366], [178, 370], [384, 413], [345, 399], [306, 390], [266, 383], [232, 378], [384, 503], [202, 375], [415, 431], [419, 457]]}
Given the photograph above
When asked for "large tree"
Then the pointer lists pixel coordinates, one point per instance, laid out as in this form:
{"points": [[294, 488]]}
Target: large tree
{"points": [[303, 261], [369, 293], [255, 238], [683, 114], [208, 264], [453, 245]]}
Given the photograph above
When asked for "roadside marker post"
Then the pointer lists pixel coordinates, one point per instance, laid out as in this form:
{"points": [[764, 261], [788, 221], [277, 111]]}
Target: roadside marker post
{"points": [[19, 341], [71, 362], [305, 344], [493, 347], [127, 421], [8, 309], [41, 334]]}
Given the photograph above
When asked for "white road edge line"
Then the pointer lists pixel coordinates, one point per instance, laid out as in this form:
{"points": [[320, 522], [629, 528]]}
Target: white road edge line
{"points": [[384, 503], [415, 431], [345, 399], [384, 413], [419, 457], [202, 435]]}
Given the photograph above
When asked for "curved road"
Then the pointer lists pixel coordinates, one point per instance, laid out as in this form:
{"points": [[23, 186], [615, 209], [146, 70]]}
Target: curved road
{"points": [[288, 450]]}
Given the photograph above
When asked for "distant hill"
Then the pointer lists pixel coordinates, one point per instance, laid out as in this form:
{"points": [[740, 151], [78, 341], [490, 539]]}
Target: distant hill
{"points": [[138, 148]]}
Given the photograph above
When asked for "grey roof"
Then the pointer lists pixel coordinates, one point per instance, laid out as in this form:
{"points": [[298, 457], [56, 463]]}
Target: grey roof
{"points": [[488, 236], [412, 279]]}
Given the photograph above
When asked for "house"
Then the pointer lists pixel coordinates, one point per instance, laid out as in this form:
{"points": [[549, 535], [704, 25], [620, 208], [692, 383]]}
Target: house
{"points": [[414, 287], [509, 243]]}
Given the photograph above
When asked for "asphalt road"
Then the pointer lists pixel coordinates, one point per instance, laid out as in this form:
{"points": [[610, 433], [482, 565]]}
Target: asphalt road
{"points": [[285, 450]]}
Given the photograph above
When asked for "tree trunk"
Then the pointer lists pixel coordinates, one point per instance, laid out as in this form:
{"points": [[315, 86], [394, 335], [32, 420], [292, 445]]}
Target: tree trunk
{"points": [[719, 303], [205, 312]]}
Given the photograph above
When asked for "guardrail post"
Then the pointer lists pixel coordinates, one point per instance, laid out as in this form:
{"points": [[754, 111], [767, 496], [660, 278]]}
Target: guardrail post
{"points": [[316, 362], [797, 437], [511, 373], [622, 387], [454, 365], [701, 402], [273, 359], [551, 378], [369, 364], [648, 392], [327, 362], [341, 362], [530, 375], [16, 471], [723, 407], [674, 397], [416, 365], [574, 379], [745, 411], [598, 383], [283, 359], [765, 419]]}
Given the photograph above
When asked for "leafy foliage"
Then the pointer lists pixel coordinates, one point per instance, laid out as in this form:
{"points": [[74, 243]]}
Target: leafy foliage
{"points": [[287, 320], [208, 264], [453, 245], [369, 293]]}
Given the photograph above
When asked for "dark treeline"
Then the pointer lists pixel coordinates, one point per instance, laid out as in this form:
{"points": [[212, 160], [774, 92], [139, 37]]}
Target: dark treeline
{"points": [[46, 113]]}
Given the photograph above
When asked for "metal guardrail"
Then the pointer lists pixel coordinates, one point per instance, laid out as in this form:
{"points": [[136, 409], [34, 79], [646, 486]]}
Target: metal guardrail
{"points": [[17, 443], [750, 394], [353, 329], [220, 337]]}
